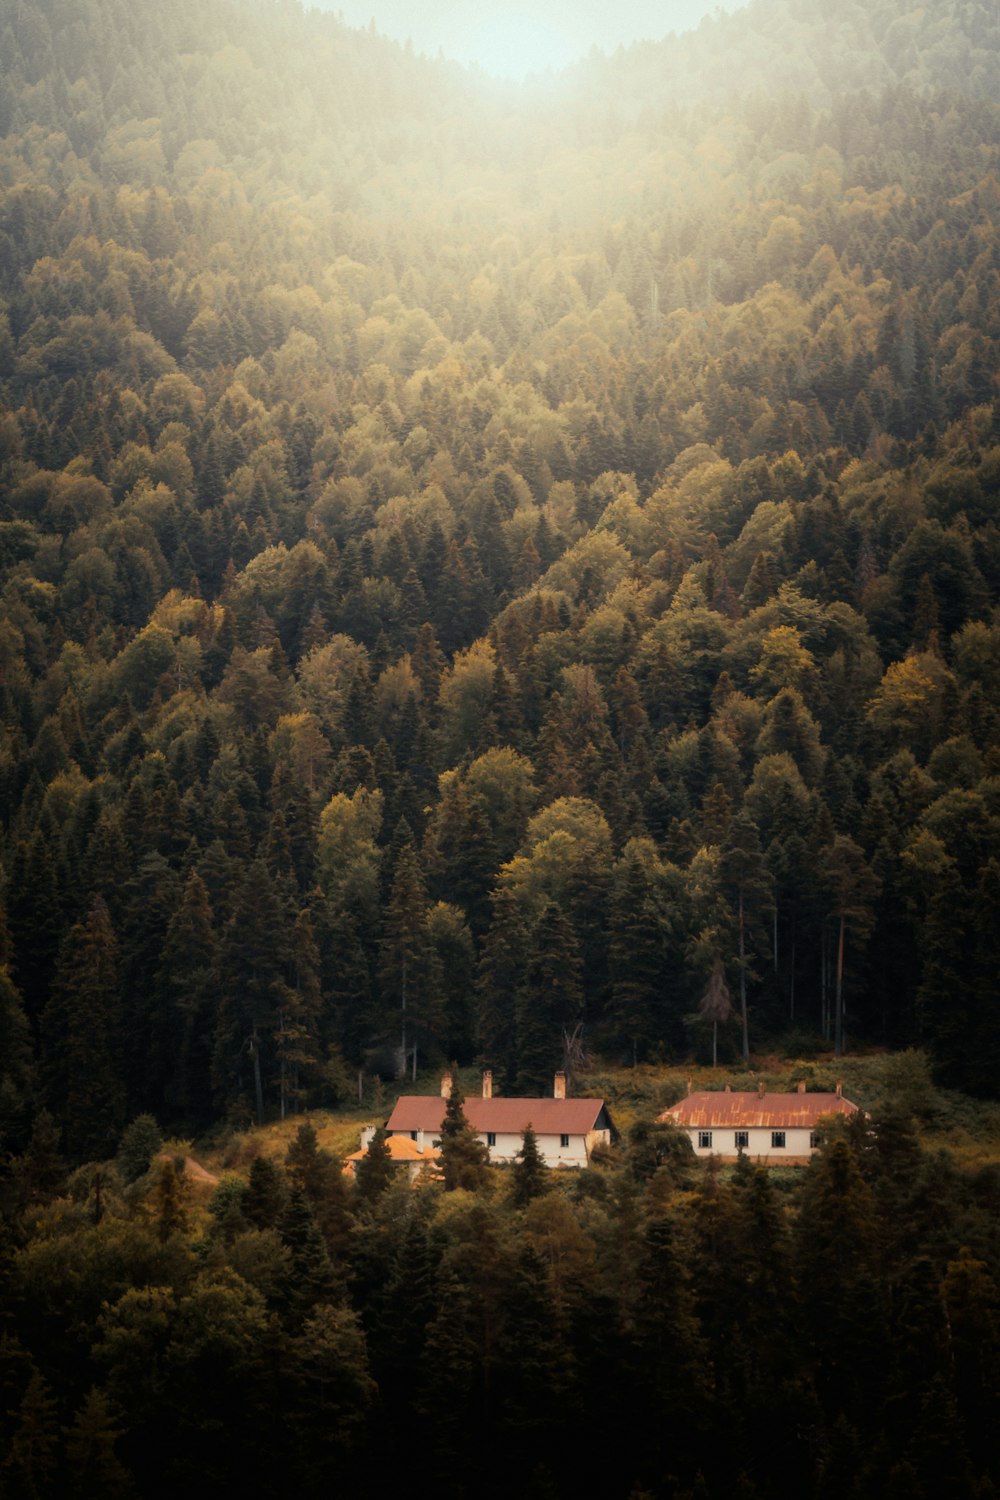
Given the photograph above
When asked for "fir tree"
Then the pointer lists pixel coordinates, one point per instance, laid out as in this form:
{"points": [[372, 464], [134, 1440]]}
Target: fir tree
{"points": [[529, 1172], [375, 1170], [464, 1158], [81, 1031], [549, 1000]]}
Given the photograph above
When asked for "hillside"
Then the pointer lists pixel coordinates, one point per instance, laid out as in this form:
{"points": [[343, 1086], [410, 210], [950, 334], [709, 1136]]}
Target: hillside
{"points": [[506, 576], [454, 534]]}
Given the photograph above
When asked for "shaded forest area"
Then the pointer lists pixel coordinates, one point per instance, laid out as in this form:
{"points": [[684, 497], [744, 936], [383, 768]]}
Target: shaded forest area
{"points": [[648, 1329], [491, 572], [473, 562]]}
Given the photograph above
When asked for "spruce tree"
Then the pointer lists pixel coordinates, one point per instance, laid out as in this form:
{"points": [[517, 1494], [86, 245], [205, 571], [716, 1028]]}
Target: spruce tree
{"points": [[81, 1032], [189, 981], [464, 1158], [312, 1279], [407, 973], [253, 967], [549, 1000], [529, 1173], [94, 1466], [375, 1170], [266, 1197]]}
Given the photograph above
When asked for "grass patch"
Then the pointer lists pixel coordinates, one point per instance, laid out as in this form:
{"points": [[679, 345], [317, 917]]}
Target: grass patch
{"points": [[967, 1129]]}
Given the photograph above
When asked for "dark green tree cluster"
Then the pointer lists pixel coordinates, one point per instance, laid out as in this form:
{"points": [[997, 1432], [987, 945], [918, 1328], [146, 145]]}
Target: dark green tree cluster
{"points": [[302, 1332], [470, 565]]}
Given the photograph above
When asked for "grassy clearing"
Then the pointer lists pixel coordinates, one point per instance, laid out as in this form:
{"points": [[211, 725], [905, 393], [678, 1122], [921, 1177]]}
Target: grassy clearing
{"points": [[968, 1129]]}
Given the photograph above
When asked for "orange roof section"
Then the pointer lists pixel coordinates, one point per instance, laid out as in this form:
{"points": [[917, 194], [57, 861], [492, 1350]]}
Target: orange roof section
{"points": [[402, 1149], [503, 1116], [721, 1110]]}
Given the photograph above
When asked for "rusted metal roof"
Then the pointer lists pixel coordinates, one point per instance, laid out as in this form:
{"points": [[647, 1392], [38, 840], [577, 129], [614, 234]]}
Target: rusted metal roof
{"points": [[715, 1109], [503, 1116]]}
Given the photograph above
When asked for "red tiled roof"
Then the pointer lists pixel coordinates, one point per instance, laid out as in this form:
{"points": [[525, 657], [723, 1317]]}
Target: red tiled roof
{"points": [[744, 1111], [504, 1116]]}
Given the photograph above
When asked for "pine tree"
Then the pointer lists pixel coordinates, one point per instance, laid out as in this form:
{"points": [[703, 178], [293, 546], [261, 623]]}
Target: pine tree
{"points": [[407, 975], [375, 1171], [312, 1279], [501, 965], [29, 1467], [297, 1038], [167, 1201], [464, 1158], [188, 974], [549, 1000], [94, 1466], [529, 1172], [853, 888], [319, 1175], [637, 932], [17, 1067], [715, 1004], [747, 881], [253, 965], [266, 1196], [140, 1143], [81, 1031]]}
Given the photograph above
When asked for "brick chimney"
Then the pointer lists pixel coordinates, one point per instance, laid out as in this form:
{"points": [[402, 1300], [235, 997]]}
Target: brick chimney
{"points": [[840, 1089], [801, 1085], [729, 1088], [559, 1086], [488, 1084], [761, 1089], [689, 1085], [445, 1085]]}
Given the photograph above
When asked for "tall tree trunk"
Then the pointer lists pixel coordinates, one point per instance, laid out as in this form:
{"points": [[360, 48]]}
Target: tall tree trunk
{"points": [[257, 1084], [715, 1044], [282, 1078], [743, 991], [402, 1039], [838, 1032]]}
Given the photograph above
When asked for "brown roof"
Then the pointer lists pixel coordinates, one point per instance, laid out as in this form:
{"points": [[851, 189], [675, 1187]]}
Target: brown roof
{"points": [[504, 1116], [744, 1111]]}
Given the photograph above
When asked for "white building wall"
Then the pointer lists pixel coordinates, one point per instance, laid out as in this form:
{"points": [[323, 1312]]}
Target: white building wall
{"points": [[550, 1149], [759, 1144]]}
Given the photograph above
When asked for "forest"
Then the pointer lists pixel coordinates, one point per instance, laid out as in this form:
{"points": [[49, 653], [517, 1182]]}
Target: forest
{"points": [[503, 575]]}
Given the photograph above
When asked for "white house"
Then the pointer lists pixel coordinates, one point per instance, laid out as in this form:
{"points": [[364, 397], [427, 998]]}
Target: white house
{"points": [[414, 1155], [769, 1127], [567, 1130]]}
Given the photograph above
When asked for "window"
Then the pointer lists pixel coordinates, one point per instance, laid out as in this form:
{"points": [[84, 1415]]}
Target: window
{"points": [[815, 1139], [491, 1137], [777, 1140], [742, 1140], [564, 1140], [704, 1140], [413, 1135]]}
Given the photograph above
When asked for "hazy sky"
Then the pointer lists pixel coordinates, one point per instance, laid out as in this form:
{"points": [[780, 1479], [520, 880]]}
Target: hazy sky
{"points": [[519, 38]]}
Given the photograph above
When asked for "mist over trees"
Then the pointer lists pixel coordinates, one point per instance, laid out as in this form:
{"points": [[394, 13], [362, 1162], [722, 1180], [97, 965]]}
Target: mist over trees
{"points": [[488, 572]]}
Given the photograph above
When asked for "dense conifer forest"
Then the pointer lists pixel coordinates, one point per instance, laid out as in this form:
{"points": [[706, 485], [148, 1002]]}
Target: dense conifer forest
{"points": [[505, 575]]}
